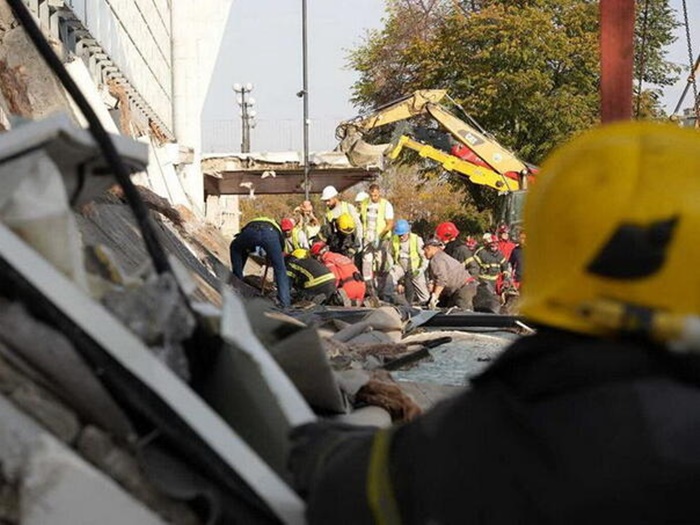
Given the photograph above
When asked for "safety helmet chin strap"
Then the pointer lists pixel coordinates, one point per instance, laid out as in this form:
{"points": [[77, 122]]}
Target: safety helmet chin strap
{"points": [[679, 333]]}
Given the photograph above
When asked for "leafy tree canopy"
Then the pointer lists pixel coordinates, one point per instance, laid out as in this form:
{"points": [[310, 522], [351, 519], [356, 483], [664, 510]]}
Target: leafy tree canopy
{"points": [[527, 70]]}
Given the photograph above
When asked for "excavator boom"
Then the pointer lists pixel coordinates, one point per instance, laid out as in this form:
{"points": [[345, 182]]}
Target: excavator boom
{"points": [[473, 153], [475, 174], [499, 158], [400, 109]]}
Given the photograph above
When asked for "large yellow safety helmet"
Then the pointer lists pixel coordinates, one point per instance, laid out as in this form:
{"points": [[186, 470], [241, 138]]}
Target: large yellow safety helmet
{"points": [[612, 226], [346, 223]]}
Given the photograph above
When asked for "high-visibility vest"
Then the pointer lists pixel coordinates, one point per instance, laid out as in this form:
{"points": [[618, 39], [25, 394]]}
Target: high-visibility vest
{"points": [[413, 253], [294, 240], [344, 208], [267, 219], [381, 215]]}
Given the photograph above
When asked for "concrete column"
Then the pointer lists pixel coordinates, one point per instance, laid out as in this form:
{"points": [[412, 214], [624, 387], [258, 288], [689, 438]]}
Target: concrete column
{"points": [[197, 29]]}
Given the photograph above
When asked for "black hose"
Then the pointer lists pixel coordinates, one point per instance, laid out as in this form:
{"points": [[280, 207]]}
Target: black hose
{"points": [[133, 199]]}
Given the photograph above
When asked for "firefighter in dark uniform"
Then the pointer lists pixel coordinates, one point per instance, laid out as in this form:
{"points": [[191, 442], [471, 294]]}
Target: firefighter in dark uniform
{"points": [[311, 280], [448, 233], [596, 417], [264, 233], [488, 263]]}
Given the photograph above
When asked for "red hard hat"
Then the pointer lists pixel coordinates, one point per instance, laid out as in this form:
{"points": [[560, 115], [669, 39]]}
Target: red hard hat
{"points": [[317, 247], [286, 224], [446, 231]]}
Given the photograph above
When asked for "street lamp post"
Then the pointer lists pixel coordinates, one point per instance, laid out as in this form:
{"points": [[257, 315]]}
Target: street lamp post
{"points": [[305, 91], [246, 103]]}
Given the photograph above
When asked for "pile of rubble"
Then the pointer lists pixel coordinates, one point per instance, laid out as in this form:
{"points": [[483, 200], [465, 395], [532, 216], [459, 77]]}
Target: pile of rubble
{"points": [[165, 397]]}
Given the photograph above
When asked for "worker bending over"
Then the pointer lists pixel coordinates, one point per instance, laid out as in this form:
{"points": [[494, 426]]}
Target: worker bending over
{"points": [[266, 234], [311, 280], [449, 282]]}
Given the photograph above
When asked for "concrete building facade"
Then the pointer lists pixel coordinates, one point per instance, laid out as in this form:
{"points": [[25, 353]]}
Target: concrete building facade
{"points": [[148, 64]]}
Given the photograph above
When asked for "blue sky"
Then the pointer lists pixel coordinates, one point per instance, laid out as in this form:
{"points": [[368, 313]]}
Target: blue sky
{"points": [[262, 45]]}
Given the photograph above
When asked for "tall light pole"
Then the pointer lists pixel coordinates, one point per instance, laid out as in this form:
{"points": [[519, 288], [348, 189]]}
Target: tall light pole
{"points": [[305, 95], [247, 113]]}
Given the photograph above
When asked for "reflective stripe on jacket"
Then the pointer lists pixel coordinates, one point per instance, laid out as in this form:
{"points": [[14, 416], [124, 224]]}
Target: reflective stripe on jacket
{"points": [[308, 273], [487, 264]]}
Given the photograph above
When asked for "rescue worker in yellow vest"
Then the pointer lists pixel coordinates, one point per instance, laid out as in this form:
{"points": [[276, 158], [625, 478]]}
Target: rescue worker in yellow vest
{"points": [[377, 215], [311, 280], [294, 236], [336, 207], [593, 419], [488, 263], [266, 234], [408, 264]]}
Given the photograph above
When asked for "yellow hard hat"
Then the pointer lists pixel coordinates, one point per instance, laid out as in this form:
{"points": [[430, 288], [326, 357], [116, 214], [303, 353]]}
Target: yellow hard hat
{"points": [[300, 253], [346, 223], [612, 223]]}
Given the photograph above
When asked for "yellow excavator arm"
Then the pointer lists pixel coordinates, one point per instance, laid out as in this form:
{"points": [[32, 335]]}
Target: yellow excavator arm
{"points": [[476, 174], [426, 102], [400, 109]]}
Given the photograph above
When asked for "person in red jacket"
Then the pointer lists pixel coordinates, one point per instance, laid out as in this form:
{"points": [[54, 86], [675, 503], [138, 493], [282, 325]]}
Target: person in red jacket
{"points": [[505, 245], [347, 275]]}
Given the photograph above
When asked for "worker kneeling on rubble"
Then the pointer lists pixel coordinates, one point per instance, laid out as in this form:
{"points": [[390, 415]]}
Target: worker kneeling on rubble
{"points": [[596, 418], [311, 279], [351, 286]]}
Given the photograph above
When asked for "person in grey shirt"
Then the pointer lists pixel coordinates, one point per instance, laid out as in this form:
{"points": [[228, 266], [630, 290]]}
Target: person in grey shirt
{"points": [[449, 282]]}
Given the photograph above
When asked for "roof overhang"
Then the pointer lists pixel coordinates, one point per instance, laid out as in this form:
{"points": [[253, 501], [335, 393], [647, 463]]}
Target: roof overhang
{"points": [[244, 174]]}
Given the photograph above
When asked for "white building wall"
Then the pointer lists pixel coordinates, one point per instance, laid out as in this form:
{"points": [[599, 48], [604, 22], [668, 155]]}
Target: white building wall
{"points": [[198, 27], [167, 50], [137, 36]]}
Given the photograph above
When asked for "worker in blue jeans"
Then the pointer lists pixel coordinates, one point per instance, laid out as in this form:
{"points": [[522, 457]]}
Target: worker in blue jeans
{"points": [[264, 233]]}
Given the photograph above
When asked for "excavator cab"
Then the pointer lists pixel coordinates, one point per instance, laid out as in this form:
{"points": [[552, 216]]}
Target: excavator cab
{"points": [[510, 208]]}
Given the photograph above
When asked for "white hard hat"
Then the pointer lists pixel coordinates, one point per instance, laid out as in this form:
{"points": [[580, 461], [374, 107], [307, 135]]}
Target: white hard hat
{"points": [[362, 196], [328, 193], [487, 237]]}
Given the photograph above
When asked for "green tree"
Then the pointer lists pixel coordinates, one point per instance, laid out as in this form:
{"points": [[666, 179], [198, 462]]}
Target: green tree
{"points": [[527, 70]]}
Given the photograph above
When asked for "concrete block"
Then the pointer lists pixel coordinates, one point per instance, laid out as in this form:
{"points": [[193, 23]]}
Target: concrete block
{"points": [[60, 488]]}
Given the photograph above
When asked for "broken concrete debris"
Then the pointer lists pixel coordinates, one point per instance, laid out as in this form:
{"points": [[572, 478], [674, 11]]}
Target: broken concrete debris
{"points": [[167, 388]]}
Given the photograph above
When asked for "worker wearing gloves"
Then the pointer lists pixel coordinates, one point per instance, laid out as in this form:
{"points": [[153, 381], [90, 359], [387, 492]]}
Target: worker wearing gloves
{"points": [[449, 282], [311, 280], [408, 263], [377, 215], [266, 234], [596, 417]]}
